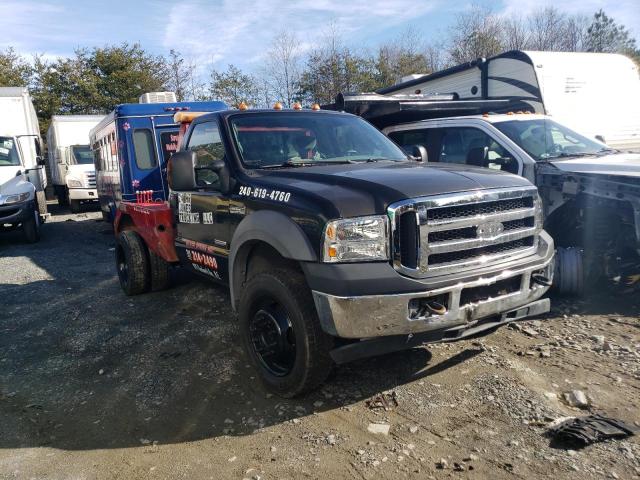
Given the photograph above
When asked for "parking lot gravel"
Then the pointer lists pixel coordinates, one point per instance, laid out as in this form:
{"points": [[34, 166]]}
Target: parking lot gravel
{"points": [[97, 385]]}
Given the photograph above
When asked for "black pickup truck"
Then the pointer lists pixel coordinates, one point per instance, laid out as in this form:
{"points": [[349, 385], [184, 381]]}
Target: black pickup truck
{"points": [[336, 245]]}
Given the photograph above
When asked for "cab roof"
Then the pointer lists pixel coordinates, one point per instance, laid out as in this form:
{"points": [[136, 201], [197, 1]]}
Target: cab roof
{"points": [[224, 114]]}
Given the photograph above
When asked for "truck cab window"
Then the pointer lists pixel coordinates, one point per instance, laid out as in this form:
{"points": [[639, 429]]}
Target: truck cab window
{"points": [[144, 149], [206, 142], [472, 146], [8, 152]]}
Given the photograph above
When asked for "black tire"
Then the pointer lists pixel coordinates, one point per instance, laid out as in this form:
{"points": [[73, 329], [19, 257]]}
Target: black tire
{"points": [[74, 205], [132, 263], [158, 272], [299, 361], [42, 203], [569, 271], [63, 196], [31, 227]]}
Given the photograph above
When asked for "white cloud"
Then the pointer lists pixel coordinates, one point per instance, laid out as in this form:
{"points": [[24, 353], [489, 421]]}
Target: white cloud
{"points": [[240, 31]]}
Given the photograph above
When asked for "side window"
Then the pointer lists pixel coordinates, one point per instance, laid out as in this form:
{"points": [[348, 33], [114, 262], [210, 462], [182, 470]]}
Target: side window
{"points": [[471, 146], [206, 142], [144, 150], [429, 138]]}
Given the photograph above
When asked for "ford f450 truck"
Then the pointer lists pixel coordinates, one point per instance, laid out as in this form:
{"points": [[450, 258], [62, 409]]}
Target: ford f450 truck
{"points": [[334, 243]]}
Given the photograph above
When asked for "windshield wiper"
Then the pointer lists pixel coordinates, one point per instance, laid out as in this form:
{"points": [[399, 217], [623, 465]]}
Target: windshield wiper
{"points": [[308, 164]]}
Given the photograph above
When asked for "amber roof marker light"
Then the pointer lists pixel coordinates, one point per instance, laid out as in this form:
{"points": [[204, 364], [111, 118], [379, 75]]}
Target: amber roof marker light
{"points": [[297, 106], [315, 107], [277, 106], [243, 106]]}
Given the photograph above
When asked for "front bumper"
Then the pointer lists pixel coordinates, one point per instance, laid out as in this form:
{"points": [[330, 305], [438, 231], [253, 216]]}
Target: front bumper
{"points": [[16, 212], [366, 316], [83, 194]]}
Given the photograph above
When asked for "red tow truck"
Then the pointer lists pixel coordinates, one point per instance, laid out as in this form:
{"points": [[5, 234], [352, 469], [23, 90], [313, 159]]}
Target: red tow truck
{"points": [[146, 225]]}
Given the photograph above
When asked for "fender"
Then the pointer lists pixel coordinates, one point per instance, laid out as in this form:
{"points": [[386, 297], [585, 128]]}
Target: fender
{"points": [[275, 229]]}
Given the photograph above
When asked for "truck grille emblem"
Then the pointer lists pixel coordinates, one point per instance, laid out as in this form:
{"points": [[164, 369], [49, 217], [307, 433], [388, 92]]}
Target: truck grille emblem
{"points": [[489, 230]]}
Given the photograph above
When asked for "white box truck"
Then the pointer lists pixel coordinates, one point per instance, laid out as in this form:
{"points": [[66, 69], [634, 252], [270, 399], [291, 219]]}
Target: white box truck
{"points": [[22, 176], [73, 174], [598, 94]]}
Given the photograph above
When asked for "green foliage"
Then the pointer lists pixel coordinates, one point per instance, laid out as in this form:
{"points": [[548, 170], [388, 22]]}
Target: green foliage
{"points": [[15, 71], [233, 87], [605, 35]]}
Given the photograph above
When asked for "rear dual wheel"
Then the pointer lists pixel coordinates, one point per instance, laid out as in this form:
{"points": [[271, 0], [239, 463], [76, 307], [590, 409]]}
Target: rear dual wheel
{"points": [[139, 269]]}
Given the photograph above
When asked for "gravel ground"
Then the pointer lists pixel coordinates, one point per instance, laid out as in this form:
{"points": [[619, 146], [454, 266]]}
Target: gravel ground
{"points": [[97, 385]]}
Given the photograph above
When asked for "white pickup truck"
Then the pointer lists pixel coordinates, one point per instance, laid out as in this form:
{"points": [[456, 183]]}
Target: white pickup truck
{"points": [[590, 192], [22, 176]]}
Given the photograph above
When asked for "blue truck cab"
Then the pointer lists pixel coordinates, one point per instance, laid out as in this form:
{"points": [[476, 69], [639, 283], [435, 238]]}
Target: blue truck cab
{"points": [[131, 147]]}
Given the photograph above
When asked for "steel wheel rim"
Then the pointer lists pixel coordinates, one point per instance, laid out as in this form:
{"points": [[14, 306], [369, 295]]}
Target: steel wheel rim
{"points": [[272, 339]]}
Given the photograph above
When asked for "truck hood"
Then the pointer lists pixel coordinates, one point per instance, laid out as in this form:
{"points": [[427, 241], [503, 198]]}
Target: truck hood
{"points": [[7, 173], [619, 164], [14, 184], [368, 188]]}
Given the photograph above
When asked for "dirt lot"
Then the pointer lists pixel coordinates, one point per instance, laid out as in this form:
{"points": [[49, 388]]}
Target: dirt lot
{"points": [[97, 385]]}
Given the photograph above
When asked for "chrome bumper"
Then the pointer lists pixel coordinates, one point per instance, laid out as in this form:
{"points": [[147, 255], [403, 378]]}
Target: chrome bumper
{"points": [[382, 315]]}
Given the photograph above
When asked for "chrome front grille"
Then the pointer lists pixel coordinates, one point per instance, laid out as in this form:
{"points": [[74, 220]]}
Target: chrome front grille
{"points": [[457, 232]]}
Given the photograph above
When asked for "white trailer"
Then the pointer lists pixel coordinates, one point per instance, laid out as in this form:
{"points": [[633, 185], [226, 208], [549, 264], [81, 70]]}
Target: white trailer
{"points": [[22, 176], [71, 165], [597, 94]]}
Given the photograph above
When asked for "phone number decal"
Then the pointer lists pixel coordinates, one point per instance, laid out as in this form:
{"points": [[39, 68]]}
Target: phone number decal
{"points": [[275, 195]]}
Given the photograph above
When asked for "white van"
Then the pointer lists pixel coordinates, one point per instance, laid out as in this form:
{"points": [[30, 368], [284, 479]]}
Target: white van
{"points": [[22, 176], [73, 174], [598, 94]]}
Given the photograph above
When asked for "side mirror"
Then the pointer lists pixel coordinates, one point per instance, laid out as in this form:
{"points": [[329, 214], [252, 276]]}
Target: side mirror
{"points": [[418, 152], [219, 167], [181, 172]]}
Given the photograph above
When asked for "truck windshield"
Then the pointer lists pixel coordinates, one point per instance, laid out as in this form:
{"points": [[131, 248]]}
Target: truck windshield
{"points": [[282, 139], [82, 154], [545, 139], [8, 152]]}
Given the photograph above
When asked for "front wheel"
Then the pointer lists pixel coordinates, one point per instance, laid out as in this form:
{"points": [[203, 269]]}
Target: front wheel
{"points": [[31, 227], [282, 335]]}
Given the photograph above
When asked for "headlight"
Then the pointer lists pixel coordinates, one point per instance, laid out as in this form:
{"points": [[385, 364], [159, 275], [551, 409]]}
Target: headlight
{"points": [[20, 197], [71, 183], [356, 239]]}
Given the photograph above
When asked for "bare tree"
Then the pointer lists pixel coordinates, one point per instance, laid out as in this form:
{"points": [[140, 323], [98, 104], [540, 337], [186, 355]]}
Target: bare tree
{"points": [[282, 67], [515, 34], [575, 33], [547, 26], [477, 33], [178, 75]]}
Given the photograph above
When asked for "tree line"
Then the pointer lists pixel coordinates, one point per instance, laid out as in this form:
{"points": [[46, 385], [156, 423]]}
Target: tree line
{"points": [[94, 80]]}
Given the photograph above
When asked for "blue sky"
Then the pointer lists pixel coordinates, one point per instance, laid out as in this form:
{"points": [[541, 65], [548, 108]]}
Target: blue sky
{"points": [[218, 32]]}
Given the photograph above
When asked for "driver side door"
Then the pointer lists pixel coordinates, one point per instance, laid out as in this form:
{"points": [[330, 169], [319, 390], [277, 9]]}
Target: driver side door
{"points": [[203, 221]]}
